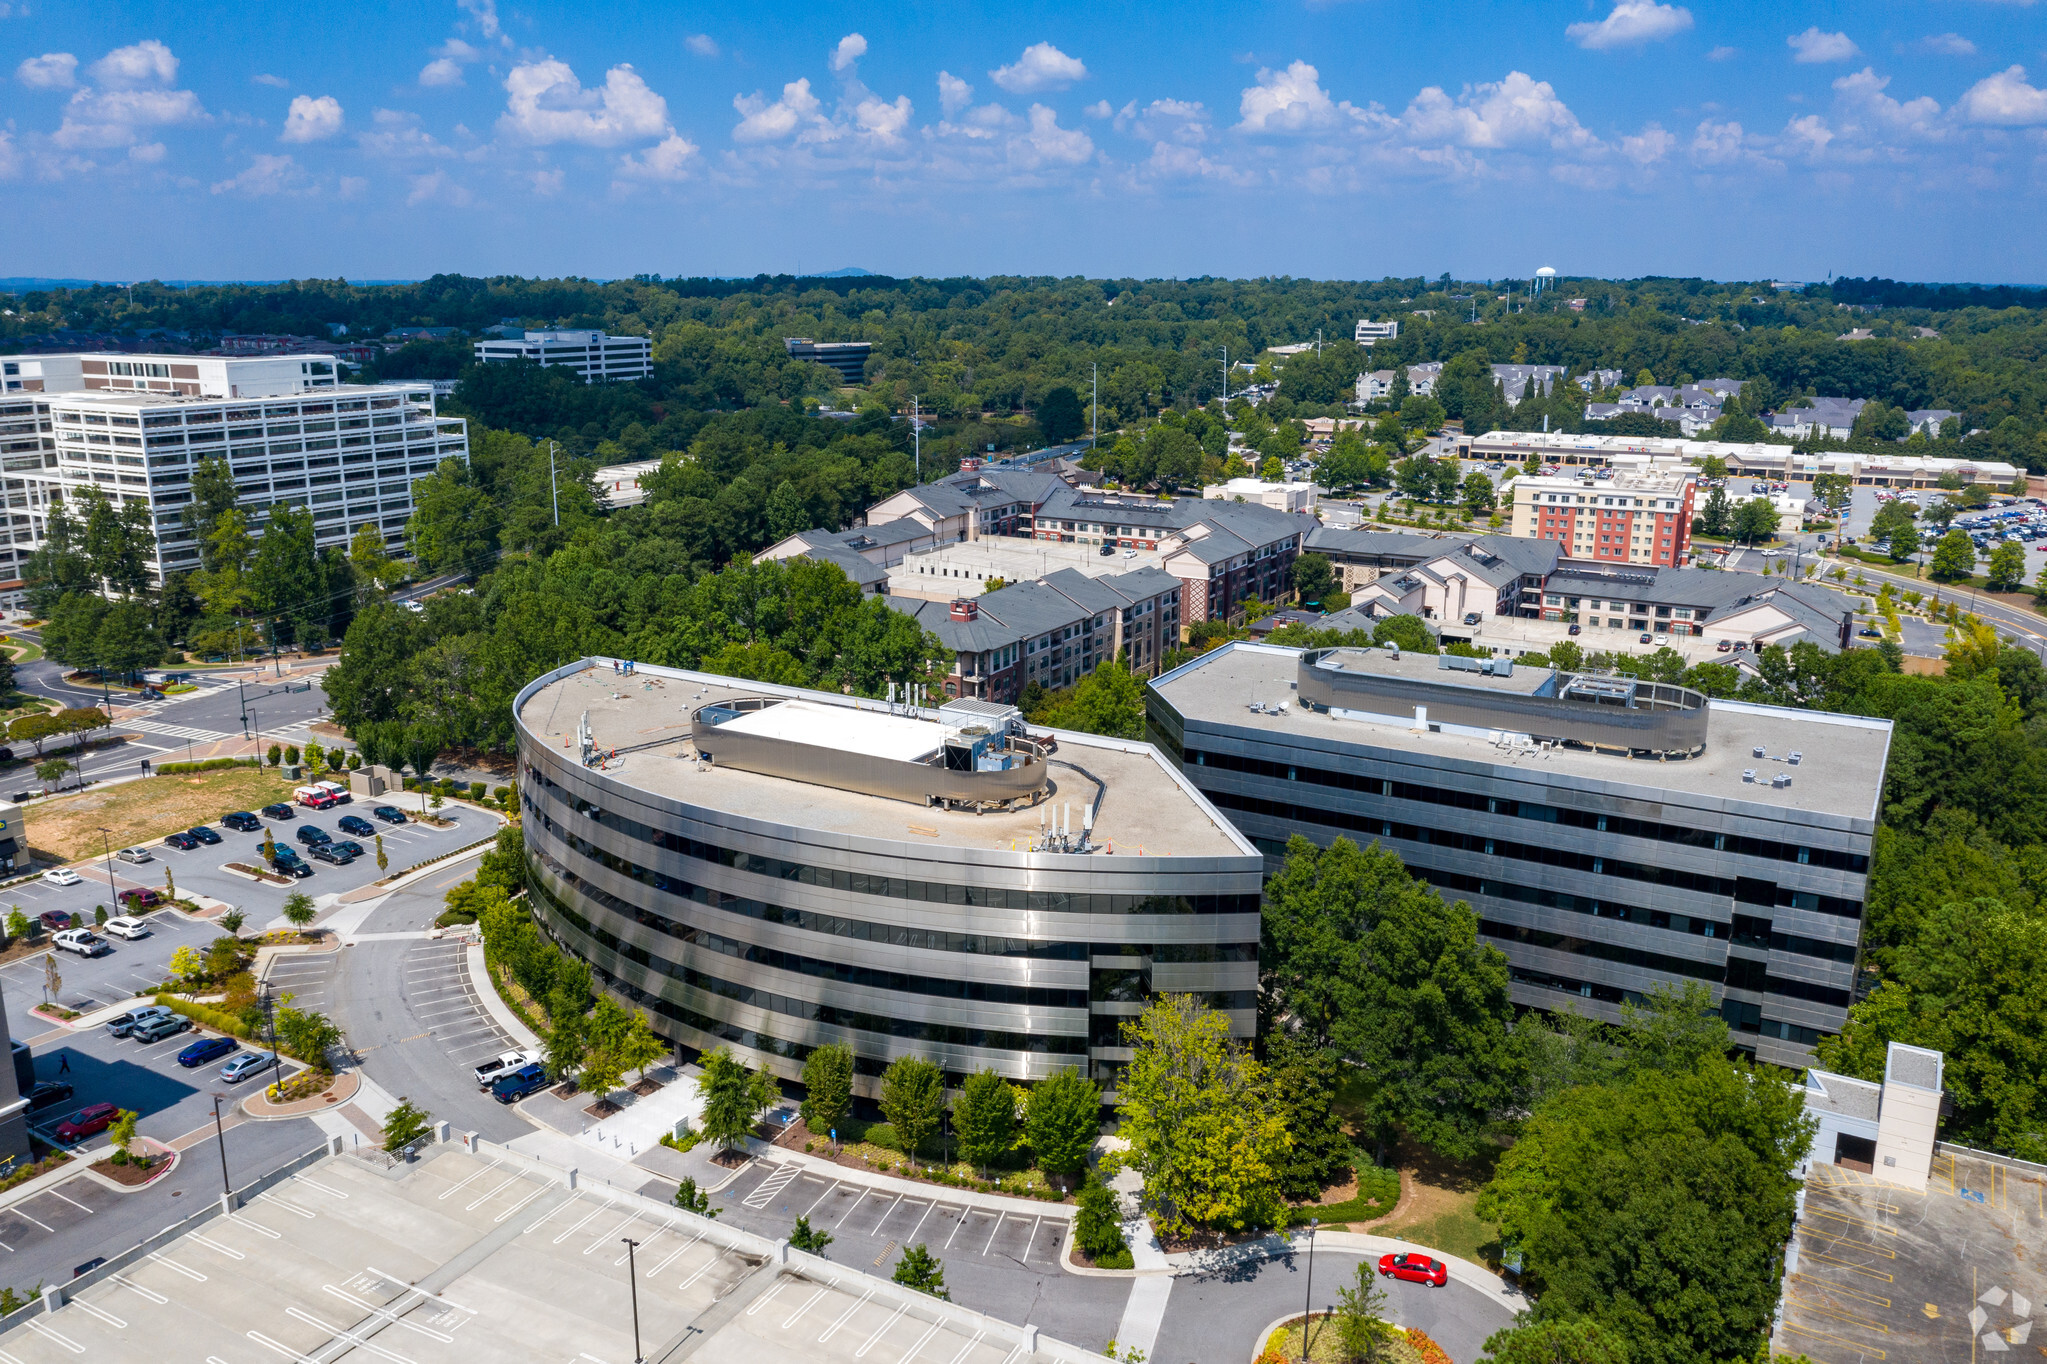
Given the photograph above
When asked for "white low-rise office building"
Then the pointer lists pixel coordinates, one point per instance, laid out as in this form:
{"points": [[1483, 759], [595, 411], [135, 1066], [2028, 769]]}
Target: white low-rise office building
{"points": [[596, 357]]}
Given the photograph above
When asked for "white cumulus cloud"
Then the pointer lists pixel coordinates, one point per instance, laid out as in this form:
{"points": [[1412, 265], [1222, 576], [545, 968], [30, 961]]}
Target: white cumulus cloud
{"points": [[1632, 23], [1816, 46], [761, 121], [1286, 101], [1047, 143], [954, 94], [669, 159], [547, 105], [441, 71], [851, 49], [1946, 45], [274, 82], [1516, 111], [148, 62], [310, 119], [1041, 67], [882, 119], [2006, 98], [1649, 146], [703, 44], [51, 71], [397, 136], [437, 187], [263, 176]]}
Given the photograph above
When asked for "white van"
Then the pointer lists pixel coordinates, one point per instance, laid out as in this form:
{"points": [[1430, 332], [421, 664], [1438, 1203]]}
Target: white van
{"points": [[334, 789]]}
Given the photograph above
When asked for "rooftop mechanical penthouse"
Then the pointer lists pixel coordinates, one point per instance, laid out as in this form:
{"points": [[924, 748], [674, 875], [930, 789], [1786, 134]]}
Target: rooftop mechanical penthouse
{"points": [[1611, 834], [774, 869]]}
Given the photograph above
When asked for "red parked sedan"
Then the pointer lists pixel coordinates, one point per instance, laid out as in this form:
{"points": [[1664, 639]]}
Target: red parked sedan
{"points": [[86, 1121], [1414, 1268]]}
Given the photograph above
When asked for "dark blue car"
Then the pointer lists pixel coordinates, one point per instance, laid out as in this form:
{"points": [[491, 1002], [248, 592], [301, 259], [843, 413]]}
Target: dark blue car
{"points": [[516, 1085], [204, 1050], [357, 825]]}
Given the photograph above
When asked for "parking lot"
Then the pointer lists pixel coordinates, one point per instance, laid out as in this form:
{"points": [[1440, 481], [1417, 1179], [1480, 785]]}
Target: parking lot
{"points": [[1880, 1273], [90, 982], [770, 1197]]}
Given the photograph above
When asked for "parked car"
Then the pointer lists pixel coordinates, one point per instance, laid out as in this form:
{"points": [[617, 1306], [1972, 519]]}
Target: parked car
{"points": [[56, 920], [288, 863], [349, 846], [1415, 1268], [128, 927], [135, 855], [1575, 628], [336, 790], [242, 821], [139, 897], [1472, 618], [121, 1025], [313, 797], [1870, 632], [390, 814], [357, 825], [515, 1085], [498, 1066], [48, 1094], [204, 834], [60, 876], [277, 812], [1647, 638], [86, 1121], [328, 853], [182, 841], [157, 1029], [241, 1066], [311, 834], [83, 941], [204, 1050], [1724, 645]]}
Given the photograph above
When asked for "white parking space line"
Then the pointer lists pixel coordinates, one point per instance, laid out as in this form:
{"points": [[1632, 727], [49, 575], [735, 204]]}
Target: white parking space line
{"points": [[885, 1216], [821, 1198], [72, 1201], [992, 1230], [964, 1214], [26, 1218], [920, 1223]]}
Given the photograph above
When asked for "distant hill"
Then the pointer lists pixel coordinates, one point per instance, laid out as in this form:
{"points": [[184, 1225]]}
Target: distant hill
{"points": [[849, 272]]}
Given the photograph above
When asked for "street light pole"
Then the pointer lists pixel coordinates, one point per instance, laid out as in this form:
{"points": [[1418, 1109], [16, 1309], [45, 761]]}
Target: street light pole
{"points": [[107, 846], [633, 1282], [220, 1135], [554, 488], [1308, 1305]]}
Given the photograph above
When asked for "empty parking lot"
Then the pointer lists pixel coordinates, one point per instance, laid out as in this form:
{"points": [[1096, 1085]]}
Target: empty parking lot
{"points": [[1880, 1273], [770, 1197]]}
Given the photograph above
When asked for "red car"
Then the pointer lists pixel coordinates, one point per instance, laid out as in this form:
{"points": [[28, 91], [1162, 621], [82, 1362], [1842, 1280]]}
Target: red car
{"points": [[1415, 1268], [86, 1121]]}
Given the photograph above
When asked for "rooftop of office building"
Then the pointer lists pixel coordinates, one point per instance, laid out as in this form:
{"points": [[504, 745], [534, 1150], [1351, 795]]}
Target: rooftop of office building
{"points": [[652, 718], [136, 399], [1839, 772]]}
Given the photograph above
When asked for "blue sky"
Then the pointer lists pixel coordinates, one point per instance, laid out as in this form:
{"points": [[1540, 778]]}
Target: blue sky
{"points": [[1333, 138]]}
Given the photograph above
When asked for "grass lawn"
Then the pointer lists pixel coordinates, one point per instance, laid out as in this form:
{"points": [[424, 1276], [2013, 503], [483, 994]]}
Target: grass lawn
{"points": [[24, 650], [142, 811], [1436, 1208]]}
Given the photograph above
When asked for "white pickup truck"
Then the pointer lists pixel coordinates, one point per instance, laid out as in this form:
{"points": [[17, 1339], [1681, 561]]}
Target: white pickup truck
{"points": [[501, 1064], [83, 941]]}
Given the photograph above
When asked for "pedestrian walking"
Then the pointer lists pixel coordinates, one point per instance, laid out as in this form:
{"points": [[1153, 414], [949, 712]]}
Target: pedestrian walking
{"points": [[63, 1063]]}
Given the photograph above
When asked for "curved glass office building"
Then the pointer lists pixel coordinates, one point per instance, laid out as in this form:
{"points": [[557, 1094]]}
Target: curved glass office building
{"points": [[773, 869]]}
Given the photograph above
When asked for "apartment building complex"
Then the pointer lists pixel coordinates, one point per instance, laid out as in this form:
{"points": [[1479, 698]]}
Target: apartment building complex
{"points": [[1611, 835], [1631, 517], [595, 357], [1052, 630], [290, 434]]}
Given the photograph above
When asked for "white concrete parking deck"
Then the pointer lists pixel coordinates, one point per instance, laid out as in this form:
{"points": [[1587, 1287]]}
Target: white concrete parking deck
{"points": [[490, 1256]]}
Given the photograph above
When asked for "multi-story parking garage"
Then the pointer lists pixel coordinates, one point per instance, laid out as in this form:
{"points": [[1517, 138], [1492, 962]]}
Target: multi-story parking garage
{"points": [[775, 869]]}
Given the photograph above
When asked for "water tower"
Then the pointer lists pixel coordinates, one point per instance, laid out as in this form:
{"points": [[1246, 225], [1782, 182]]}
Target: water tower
{"points": [[1545, 278]]}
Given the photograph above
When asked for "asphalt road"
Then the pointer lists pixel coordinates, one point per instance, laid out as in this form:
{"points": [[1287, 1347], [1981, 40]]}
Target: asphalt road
{"points": [[411, 1016]]}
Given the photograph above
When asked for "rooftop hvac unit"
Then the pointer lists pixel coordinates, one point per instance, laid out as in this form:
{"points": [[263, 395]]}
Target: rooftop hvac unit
{"points": [[1748, 774], [1795, 758], [1757, 752], [1781, 780]]}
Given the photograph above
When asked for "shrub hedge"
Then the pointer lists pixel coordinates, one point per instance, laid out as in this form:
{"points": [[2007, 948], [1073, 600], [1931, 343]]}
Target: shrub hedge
{"points": [[208, 765]]}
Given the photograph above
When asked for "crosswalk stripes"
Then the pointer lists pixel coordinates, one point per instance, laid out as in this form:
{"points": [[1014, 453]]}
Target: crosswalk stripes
{"points": [[177, 731]]}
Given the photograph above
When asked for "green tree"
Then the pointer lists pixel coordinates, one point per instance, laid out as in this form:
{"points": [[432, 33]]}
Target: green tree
{"points": [[1479, 496], [285, 581], [984, 1117], [454, 523], [1408, 632], [2006, 571], [828, 1078], [1377, 967], [122, 1132], [1716, 516], [1954, 558], [1312, 577], [1892, 526], [1755, 520], [567, 1041], [1655, 1206], [1304, 1079], [733, 1097], [923, 1271], [1361, 1325], [804, 1237], [1570, 1341], [1062, 1119], [690, 1198], [913, 1100], [1108, 701], [374, 569], [298, 909], [1098, 1222], [1201, 1122], [640, 1046], [407, 1123], [1061, 416]]}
